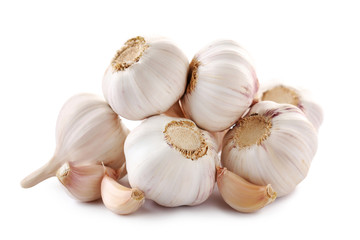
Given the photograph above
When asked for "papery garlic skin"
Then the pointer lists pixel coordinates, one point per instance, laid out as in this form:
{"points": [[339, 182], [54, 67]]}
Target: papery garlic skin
{"points": [[146, 77], [242, 195], [83, 181], [120, 199], [221, 86], [282, 144], [158, 163], [88, 131], [281, 93]]}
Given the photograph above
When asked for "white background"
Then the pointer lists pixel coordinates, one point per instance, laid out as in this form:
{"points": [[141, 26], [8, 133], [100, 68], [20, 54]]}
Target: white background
{"points": [[50, 51]]}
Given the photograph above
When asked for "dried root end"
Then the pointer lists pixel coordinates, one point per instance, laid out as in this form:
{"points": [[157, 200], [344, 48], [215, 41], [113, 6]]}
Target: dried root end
{"points": [[186, 138], [251, 130], [129, 54], [281, 94], [192, 75]]}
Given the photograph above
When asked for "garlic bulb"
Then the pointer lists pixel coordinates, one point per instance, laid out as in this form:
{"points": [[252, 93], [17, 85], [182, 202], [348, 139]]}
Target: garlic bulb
{"points": [[242, 195], [171, 160], [84, 181], [284, 94], [88, 131], [221, 86], [120, 199], [273, 144], [146, 77]]}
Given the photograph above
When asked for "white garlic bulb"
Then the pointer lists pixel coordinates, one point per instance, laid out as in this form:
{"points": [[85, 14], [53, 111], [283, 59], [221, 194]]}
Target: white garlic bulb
{"points": [[171, 160], [221, 86], [146, 77], [273, 144], [284, 94], [88, 131]]}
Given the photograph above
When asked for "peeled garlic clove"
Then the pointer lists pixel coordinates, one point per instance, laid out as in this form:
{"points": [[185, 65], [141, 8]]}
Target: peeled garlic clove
{"points": [[242, 195], [171, 160], [84, 181], [88, 132], [120, 199], [146, 77], [273, 144], [221, 86], [284, 94]]}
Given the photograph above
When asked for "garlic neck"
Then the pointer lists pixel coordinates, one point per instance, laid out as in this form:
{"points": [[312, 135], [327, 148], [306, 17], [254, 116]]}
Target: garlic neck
{"points": [[281, 94], [129, 54], [253, 129], [186, 138]]}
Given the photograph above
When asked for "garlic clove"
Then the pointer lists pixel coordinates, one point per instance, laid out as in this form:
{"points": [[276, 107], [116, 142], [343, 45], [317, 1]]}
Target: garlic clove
{"points": [[273, 144], [146, 77], [172, 161], [218, 137], [175, 111], [285, 94], [120, 199], [88, 132], [84, 181], [221, 86], [242, 195]]}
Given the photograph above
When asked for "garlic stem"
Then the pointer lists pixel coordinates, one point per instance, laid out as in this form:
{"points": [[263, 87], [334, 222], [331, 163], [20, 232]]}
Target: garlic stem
{"points": [[39, 175]]}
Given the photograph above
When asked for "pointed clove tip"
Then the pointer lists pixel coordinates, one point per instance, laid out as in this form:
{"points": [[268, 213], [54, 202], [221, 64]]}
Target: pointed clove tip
{"points": [[137, 194], [271, 193]]}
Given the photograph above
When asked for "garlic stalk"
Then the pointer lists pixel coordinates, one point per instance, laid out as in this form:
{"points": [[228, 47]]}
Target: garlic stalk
{"points": [[88, 132], [120, 199], [284, 94], [221, 86], [273, 144], [146, 77], [84, 181], [171, 160], [242, 195]]}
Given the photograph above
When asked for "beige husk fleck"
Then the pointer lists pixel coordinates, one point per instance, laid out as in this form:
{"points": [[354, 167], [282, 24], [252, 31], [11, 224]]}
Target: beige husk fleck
{"points": [[281, 94], [186, 138], [129, 54], [136, 194], [192, 75], [250, 130]]}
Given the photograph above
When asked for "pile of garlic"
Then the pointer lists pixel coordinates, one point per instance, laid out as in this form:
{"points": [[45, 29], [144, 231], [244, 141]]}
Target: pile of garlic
{"points": [[204, 123]]}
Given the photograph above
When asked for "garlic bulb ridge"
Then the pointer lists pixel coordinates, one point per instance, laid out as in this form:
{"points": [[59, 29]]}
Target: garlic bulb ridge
{"points": [[273, 144], [221, 86], [171, 160], [146, 77]]}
